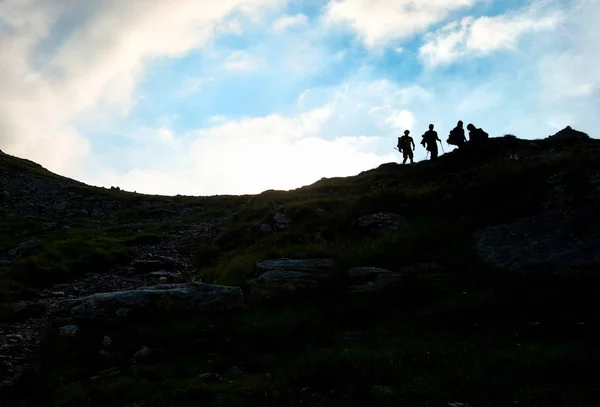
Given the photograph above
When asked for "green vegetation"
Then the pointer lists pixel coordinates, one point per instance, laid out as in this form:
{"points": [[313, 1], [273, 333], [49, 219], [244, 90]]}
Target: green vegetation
{"points": [[456, 330]]}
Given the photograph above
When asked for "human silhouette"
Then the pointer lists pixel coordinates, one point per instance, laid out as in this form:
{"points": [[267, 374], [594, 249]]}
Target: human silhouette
{"points": [[477, 136], [430, 139], [404, 145], [457, 135]]}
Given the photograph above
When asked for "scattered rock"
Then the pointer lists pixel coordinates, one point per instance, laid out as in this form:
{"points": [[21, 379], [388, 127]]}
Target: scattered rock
{"points": [[209, 377], [106, 341], [60, 206], [557, 241], [178, 298], [24, 248], [382, 223], [281, 221], [266, 228], [383, 391], [69, 330], [142, 353], [5, 263]]}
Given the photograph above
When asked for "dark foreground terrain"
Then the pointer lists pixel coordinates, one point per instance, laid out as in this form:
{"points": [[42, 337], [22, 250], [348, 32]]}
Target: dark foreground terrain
{"points": [[469, 281]]}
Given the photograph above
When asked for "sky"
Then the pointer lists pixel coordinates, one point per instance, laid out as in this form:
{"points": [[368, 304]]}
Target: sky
{"points": [[211, 97]]}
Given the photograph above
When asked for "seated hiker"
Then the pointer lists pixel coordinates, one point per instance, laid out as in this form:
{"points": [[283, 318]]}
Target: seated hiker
{"points": [[477, 137], [430, 139], [404, 145], [457, 135]]}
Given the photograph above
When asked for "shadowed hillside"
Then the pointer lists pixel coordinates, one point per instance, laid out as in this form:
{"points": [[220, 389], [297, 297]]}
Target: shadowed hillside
{"points": [[465, 281]]}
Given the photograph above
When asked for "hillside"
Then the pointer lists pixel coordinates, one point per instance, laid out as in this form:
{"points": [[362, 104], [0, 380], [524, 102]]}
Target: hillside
{"points": [[465, 281]]}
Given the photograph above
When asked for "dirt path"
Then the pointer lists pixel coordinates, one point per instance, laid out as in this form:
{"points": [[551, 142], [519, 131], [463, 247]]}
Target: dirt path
{"points": [[169, 261]]}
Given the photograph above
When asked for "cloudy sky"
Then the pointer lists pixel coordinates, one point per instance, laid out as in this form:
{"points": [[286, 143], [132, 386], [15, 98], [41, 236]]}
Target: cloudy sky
{"points": [[204, 97]]}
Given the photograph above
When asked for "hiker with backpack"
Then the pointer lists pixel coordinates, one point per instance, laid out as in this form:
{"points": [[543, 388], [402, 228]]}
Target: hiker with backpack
{"points": [[457, 135], [477, 136], [430, 139], [406, 146]]}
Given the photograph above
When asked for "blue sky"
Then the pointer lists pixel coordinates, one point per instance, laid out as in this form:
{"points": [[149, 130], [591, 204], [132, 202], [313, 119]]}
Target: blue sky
{"points": [[198, 97]]}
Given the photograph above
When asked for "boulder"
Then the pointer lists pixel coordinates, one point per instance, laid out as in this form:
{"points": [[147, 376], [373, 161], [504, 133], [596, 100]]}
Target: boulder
{"points": [[381, 223], [177, 298], [556, 241], [371, 279], [281, 279]]}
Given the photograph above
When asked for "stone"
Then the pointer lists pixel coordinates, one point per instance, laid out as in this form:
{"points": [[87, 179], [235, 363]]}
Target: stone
{"points": [[60, 206], [382, 223], [176, 298], [281, 221], [266, 228], [281, 279], [24, 248], [69, 330], [557, 241], [209, 377], [142, 353], [106, 341]]}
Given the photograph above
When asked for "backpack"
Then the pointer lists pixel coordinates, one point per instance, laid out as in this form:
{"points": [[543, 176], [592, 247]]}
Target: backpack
{"points": [[403, 142]]}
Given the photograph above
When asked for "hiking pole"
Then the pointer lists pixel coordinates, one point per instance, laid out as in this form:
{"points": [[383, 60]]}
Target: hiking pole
{"points": [[441, 145]]}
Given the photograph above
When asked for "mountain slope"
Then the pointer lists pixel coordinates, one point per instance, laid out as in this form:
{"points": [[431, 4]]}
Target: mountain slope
{"points": [[476, 286]]}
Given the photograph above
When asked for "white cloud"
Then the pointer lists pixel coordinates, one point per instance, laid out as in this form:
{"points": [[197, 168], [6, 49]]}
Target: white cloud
{"points": [[255, 154], [402, 119], [473, 37], [380, 22], [290, 21], [95, 69], [242, 61]]}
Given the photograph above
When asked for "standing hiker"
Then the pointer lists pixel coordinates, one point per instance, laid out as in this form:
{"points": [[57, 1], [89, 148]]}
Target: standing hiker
{"points": [[406, 145], [457, 135], [430, 139]]}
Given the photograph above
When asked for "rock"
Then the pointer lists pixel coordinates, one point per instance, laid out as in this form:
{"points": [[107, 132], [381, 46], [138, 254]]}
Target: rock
{"points": [[69, 330], [234, 370], [5, 263], [382, 223], [177, 298], [148, 266], [281, 221], [106, 341], [142, 353], [371, 279], [65, 228], [286, 278], [60, 206], [209, 377], [266, 228], [5, 196], [557, 241], [304, 265], [24, 248]]}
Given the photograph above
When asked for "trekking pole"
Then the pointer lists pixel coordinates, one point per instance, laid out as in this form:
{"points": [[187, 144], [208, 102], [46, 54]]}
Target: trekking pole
{"points": [[441, 145]]}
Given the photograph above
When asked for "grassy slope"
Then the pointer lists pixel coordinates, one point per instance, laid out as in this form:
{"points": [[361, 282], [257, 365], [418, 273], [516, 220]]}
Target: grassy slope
{"points": [[472, 334]]}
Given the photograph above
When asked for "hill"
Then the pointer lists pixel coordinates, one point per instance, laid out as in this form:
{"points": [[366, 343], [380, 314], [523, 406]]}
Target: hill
{"points": [[468, 280]]}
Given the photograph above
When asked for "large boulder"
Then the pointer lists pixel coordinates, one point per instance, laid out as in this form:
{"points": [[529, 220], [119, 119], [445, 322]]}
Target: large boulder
{"points": [[176, 298], [556, 241], [281, 279]]}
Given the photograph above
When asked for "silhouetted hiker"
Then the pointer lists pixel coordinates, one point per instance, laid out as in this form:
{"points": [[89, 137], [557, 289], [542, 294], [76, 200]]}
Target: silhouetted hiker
{"points": [[430, 139], [477, 137], [457, 135], [404, 145]]}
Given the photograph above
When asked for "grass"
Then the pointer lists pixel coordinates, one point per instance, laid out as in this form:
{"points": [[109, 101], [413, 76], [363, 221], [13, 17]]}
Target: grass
{"points": [[458, 332]]}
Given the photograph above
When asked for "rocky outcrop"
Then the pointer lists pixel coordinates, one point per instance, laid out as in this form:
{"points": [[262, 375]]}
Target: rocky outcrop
{"points": [[381, 223], [564, 237], [177, 298], [281, 280], [285, 278]]}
